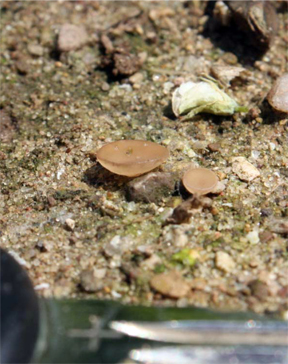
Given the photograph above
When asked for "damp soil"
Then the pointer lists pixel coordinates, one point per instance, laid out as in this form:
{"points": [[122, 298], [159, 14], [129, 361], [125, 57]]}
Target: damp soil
{"points": [[68, 221]]}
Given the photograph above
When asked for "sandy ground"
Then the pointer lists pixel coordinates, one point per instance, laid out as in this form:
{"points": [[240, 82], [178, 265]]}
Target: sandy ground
{"points": [[59, 106]]}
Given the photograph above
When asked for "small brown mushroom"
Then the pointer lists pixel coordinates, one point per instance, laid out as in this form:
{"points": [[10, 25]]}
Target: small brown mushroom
{"points": [[199, 181], [132, 158]]}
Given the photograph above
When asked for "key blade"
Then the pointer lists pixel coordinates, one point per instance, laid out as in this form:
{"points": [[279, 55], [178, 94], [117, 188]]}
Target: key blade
{"points": [[218, 332], [211, 355]]}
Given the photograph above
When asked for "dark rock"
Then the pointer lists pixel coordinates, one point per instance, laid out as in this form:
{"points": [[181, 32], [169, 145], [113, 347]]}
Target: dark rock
{"points": [[7, 127], [126, 64], [259, 289], [120, 60], [257, 19], [183, 212], [151, 187], [266, 212]]}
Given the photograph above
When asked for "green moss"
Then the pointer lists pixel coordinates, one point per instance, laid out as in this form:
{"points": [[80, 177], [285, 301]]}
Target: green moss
{"points": [[185, 257], [160, 268]]}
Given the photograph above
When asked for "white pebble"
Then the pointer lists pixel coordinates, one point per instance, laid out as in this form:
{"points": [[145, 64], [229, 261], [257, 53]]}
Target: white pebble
{"points": [[224, 261], [253, 237], [244, 169], [70, 224]]}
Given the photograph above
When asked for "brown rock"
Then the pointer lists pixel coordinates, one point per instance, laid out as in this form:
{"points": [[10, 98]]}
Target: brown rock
{"points": [[278, 95], [125, 64], [259, 289], [170, 284], [265, 236], [214, 147]]}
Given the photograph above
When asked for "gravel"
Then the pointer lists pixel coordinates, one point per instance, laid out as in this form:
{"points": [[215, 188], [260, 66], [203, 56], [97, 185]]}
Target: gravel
{"points": [[63, 105]]}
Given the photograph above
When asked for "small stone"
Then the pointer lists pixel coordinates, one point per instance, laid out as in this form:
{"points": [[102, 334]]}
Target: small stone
{"points": [[224, 262], [259, 289], [220, 187], [70, 224], [151, 262], [71, 37], [7, 128], [51, 201], [279, 226], [253, 237], [278, 95], [22, 67], [137, 78], [244, 169], [226, 74], [36, 50], [230, 58], [151, 187], [105, 86], [89, 282], [117, 246], [266, 236], [214, 147], [170, 284], [125, 64]]}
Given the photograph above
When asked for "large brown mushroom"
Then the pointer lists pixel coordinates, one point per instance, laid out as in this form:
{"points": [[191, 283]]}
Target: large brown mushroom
{"points": [[131, 158]]}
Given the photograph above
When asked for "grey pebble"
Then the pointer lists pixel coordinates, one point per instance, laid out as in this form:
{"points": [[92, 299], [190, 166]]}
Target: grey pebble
{"points": [[151, 187]]}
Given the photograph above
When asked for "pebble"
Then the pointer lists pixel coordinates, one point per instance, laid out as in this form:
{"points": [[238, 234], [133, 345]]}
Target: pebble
{"points": [[259, 289], [244, 169], [279, 226], [266, 236], [226, 74], [35, 50], [71, 37], [224, 262], [117, 246], [151, 187], [89, 282], [220, 187], [151, 262], [105, 86], [137, 78], [22, 67], [214, 147], [253, 237], [70, 224], [170, 284], [278, 95]]}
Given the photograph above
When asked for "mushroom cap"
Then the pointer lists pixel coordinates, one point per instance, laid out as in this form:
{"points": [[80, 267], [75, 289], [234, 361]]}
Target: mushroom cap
{"points": [[131, 158], [199, 180]]}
